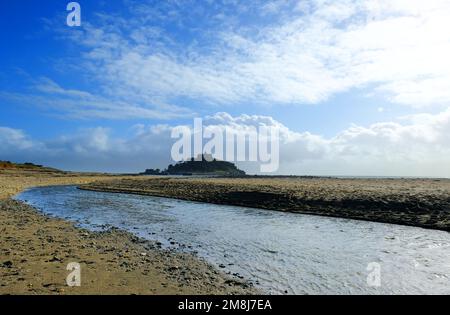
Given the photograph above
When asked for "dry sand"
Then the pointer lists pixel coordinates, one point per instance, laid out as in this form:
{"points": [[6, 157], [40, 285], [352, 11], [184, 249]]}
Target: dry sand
{"points": [[35, 251], [416, 202]]}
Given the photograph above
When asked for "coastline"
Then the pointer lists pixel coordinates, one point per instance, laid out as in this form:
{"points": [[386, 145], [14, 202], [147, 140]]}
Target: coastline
{"points": [[35, 250], [421, 203]]}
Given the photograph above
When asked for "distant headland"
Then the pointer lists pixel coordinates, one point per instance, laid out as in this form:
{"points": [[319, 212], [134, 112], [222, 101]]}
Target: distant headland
{"points": [[7, 165]]}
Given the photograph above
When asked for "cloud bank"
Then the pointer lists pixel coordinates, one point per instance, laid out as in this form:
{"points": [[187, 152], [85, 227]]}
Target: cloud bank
{"points": [[417, 146]]}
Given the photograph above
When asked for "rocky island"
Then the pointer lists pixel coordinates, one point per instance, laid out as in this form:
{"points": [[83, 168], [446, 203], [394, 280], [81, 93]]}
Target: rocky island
{"points": [[202, 165]]}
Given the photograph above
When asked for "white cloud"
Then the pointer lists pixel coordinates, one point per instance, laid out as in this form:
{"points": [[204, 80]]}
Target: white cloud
{"points": [[73, 103], [14, 138], [399, 48], [170, 54]]}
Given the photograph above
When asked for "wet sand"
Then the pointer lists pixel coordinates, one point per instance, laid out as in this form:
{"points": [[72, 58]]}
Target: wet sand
{"points": [[415, 202], [35, 251]]}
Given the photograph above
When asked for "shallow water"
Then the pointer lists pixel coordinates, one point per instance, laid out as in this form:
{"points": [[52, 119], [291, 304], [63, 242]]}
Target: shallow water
{"points": [[279, 252]]}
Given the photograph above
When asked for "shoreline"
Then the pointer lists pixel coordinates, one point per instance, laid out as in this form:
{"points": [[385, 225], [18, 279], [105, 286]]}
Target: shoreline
{"points": [[35, 250], [421, 203]]}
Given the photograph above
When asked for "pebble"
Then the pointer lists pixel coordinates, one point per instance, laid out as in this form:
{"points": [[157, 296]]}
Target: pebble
{"points": [[7, 264]]}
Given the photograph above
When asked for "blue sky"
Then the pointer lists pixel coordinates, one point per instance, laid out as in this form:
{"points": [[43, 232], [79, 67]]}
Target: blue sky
{"points": [[360, 86]]}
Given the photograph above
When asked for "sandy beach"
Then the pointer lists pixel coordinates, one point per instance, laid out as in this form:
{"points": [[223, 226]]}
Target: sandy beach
{"points": [[415, 202], [35, 250]]}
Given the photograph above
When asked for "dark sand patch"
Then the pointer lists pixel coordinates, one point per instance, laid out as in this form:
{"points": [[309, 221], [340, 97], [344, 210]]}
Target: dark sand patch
{"points": [[416, 202]]}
